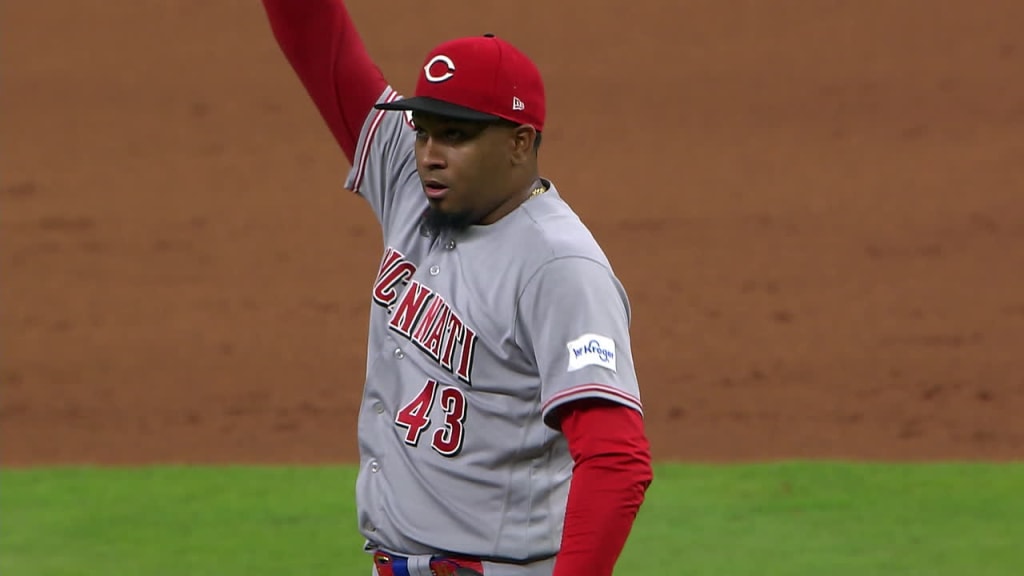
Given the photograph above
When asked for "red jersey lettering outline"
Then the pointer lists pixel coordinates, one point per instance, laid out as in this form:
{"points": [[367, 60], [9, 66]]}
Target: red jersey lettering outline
{"points": [[424, 317], [410, 308], [394, 271]]}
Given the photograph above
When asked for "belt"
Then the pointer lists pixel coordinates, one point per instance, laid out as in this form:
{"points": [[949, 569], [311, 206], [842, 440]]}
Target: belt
{"points": [[395, 565]]}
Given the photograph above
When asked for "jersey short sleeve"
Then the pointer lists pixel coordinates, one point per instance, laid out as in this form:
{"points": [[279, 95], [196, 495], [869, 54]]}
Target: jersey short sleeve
{"points": [[385, 160], [573, 319]]}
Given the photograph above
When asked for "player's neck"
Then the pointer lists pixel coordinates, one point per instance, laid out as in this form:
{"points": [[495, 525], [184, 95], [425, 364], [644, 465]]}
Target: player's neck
{"points": [[525, 188]]}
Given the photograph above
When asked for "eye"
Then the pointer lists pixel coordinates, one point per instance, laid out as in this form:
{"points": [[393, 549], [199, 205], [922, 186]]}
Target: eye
{"points": [[421, 134], [454, 135]]}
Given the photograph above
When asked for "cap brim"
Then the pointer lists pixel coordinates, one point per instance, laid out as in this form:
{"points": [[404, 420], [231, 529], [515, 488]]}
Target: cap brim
{"points": [[439, 108]]}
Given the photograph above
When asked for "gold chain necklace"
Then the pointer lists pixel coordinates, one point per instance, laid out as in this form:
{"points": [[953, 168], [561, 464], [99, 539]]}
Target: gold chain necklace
{"points": [[538, 191]]}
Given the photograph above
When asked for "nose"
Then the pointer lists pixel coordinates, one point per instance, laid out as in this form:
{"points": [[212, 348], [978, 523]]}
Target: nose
{"points": [[431, 156]]}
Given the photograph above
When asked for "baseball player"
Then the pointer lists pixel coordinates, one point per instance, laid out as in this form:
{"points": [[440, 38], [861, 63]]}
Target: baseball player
{"points": [[501, 426]]}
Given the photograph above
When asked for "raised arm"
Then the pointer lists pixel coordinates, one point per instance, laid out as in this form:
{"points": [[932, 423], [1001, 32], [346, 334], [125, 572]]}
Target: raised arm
{"points": [[323, 46]]}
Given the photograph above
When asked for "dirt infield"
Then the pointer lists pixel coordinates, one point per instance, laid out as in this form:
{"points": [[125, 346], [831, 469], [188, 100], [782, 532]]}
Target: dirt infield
{"points": [[817, 208]]}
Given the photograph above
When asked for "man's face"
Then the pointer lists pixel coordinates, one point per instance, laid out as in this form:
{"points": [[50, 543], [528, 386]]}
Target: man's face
{"points": [[462, 166]]}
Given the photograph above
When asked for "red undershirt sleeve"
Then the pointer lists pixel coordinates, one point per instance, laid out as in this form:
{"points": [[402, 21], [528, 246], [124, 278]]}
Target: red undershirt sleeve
{"points": [[322, 45], [610, 479]]}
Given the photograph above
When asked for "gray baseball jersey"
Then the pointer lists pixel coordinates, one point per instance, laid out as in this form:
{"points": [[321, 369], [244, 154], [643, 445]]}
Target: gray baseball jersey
{"points": [[475, 337]]}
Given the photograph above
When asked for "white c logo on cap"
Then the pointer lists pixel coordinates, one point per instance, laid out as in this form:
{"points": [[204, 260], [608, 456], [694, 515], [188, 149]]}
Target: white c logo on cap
{"points": [[449, 69]]}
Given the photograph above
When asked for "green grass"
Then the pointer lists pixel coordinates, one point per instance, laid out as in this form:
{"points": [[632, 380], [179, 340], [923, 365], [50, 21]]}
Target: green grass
{"points": [[790, 519]]}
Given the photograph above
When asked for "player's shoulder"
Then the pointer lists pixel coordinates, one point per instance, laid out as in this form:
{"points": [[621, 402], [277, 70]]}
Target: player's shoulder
{"points": [[556, 232]]}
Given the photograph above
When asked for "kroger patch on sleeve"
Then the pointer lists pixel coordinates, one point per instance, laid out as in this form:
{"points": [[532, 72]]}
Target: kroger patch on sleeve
{"points": [[591, 350]]}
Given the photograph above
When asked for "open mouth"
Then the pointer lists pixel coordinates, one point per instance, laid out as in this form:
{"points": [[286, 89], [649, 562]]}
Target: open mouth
{"points": [[434, 189]]}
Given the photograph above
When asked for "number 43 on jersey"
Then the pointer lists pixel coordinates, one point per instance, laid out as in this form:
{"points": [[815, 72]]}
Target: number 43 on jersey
{"points": [[415, 418]]}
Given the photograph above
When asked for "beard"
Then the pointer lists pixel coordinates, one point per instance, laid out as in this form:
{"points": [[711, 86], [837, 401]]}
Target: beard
{"points": [[436, 221]]}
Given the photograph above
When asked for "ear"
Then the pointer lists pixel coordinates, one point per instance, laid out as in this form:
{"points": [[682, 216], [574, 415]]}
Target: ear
{"points": [[522, 141]]}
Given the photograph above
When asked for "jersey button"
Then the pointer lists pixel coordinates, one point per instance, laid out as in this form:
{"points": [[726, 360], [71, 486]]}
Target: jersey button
{"points": [[379, 407], [399, 354], [435, 270], [374, 466], [450, 245]]}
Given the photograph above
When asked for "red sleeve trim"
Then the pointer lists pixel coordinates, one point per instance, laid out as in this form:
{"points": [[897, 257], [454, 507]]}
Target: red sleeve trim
{"points": [[610, 480], [365, 153], [588, 389]]}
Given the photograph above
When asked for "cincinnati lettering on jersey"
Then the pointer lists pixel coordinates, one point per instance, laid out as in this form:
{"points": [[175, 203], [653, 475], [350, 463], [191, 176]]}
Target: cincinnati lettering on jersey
{"points": [[423, 317]]}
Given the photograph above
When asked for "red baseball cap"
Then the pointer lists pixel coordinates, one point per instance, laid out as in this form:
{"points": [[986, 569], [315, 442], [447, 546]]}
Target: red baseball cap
{"points": [[478, 78]]}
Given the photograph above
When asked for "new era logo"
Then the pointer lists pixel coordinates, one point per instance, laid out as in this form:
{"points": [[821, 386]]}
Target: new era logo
{"points": [[517, 104]]}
